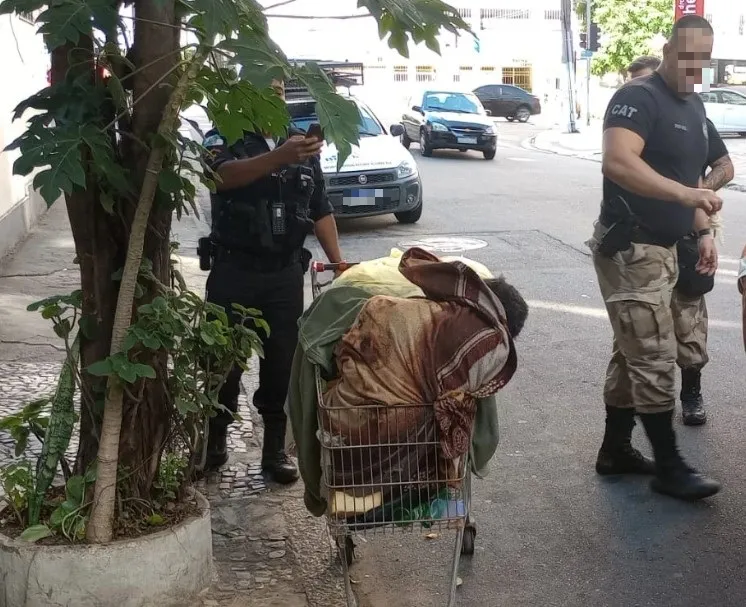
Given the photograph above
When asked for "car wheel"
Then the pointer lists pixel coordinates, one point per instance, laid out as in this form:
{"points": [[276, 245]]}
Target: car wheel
{"points": [[425, 148], [405, 140], [412, 216], [523, 114], [489, 154], [509, 118]]}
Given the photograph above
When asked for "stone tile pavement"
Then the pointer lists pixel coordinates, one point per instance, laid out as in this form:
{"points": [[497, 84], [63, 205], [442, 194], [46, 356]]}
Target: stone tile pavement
{"points": [[587, 145], [267, 549]]}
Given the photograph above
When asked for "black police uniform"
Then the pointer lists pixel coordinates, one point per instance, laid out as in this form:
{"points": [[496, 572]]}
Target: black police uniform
{"points": [[635, 260], [257, 240]]}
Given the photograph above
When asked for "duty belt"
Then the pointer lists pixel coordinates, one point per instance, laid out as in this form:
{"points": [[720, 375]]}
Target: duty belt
{"points": [[258, 262]]}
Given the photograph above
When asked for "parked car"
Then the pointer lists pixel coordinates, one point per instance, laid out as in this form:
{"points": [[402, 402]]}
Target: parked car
{"points": [[508, 101], [726, 108], [378, 178], [448, 120]]}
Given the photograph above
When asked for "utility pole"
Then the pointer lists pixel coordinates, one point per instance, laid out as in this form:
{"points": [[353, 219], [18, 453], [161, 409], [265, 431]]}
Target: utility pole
{"points": [[567, 59], [588, 63]]}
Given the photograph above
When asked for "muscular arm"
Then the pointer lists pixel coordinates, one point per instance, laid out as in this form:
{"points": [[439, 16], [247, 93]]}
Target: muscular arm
{"points": [[721, 173], [622, 163]]}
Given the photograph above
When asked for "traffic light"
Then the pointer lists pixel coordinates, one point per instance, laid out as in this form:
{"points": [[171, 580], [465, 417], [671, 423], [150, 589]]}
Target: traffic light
{"points": [[583, 40], [594, 45]]}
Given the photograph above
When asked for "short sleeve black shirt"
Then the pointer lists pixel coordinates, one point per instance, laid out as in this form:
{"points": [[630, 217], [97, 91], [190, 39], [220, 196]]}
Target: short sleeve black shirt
{"points": [[716, 149], [676, 146]]}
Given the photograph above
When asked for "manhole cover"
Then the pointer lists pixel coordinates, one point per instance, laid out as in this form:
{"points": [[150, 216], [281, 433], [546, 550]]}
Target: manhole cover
{"points": [[445, 244]]}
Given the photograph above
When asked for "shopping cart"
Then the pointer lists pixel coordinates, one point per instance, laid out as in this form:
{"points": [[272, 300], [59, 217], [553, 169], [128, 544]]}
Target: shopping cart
{"points": [[388, 475]]}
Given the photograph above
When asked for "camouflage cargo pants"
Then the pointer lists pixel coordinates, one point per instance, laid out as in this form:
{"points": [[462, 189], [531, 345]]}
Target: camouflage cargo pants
{"points": [[690, 325], [637, 286]]}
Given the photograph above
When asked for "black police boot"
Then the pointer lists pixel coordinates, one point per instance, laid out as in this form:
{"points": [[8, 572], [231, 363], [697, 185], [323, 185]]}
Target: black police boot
{"points": [[275, 462], [692, 404], [673, 476], [217, 448], [617, 456]]}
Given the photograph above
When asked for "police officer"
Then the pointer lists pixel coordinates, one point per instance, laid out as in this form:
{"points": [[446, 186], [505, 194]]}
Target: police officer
{"points": [[688, 301], [270, 196], [654, 147]]}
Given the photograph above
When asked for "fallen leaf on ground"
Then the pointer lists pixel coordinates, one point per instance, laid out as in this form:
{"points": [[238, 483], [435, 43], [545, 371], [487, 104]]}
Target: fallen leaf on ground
{"points": [[432, 536]]}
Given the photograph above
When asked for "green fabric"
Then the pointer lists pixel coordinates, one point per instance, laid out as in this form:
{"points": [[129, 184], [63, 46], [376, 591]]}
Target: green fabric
{"points": [[320, 328]]}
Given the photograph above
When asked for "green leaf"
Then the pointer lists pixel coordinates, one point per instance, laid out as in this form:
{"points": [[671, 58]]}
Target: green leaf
{"points": [[21, 6], [66, 20], [74, 490], [36, 533], [260, 59], [339, 117], [155, 520], [107, 202], [101, 368], [144, 371], [117, 91], [184, 406], [169, 181], [20, 434]]}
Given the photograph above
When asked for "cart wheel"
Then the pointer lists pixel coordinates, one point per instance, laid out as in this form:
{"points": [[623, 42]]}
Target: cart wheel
{"points": [[346, 549], [467, 546]]}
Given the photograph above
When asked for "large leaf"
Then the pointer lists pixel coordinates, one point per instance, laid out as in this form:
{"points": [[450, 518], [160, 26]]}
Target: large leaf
{"points": [[339, 117], [21, 6], [36, 533], [67, 20], [420, 19], [260, 60]]}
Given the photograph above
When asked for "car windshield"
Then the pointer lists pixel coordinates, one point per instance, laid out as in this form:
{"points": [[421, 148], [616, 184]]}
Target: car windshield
{"points": [[453, 102], [367, 127]]}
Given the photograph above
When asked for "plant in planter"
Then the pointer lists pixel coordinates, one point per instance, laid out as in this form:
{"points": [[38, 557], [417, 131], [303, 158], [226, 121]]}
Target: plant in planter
{"points": [[146, 354]]}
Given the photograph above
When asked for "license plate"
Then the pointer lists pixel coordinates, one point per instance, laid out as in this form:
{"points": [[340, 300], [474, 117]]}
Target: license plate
{"points": [[467, 140], [361, 198]]}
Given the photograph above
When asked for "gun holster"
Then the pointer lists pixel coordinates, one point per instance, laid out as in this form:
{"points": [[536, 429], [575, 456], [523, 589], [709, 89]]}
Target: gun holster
{"points": [[206, 253], [618, 235]]}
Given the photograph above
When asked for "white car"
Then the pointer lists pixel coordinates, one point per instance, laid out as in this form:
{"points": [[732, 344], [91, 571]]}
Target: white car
{"points": [[379, 177], [726, 108]]}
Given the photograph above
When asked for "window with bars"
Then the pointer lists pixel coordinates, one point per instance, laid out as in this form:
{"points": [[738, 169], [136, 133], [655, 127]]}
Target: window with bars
{"points": [[457, 77], [504, 13], [424, 73], [488, 68], [552, 15], [708, 16], [466, 68], [401, 73], [465, 13]]}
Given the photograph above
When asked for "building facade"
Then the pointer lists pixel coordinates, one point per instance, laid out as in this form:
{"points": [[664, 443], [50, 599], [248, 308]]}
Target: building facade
{"points": [[728, 19], [25, 66]]}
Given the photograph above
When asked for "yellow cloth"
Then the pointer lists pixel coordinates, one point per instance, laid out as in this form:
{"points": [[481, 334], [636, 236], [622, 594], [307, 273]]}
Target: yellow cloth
{"points": [[344, 505], [382, 276]]}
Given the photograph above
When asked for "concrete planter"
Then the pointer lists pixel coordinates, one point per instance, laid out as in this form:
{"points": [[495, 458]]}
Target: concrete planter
{"points": [[165, 569]]}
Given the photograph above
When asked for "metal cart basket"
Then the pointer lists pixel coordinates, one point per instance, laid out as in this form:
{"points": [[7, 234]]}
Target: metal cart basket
{"points": [[382, 471]]}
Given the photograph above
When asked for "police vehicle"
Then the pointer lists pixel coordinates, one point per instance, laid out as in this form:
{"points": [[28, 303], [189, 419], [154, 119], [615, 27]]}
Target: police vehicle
{"points": [[379, 177]]}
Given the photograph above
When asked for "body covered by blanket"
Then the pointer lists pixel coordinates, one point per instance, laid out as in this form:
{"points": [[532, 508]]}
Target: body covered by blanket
{"points": [[335, 311]]}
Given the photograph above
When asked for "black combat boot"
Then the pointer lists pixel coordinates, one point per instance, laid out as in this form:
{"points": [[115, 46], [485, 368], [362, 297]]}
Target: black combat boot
{"points": [[692, 405], [217, 448], [673, 476], [617, 456], [275, 462]]}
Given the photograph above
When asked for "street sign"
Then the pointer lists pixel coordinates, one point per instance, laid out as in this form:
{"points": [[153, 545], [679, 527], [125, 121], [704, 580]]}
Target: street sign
{"points": [[682, 8], [586, 54]]}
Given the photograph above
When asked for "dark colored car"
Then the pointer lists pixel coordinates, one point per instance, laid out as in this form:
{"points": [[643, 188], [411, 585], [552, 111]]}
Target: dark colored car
{"points": [[446, 120], [508, 101]]}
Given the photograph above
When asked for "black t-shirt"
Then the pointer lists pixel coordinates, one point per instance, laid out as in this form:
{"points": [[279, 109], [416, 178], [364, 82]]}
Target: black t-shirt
{"points": [[716, 148], [676, 146]]}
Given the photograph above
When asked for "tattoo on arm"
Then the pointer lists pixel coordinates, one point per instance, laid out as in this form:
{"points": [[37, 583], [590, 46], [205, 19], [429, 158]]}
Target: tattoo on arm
{"points": [[720, 175]]}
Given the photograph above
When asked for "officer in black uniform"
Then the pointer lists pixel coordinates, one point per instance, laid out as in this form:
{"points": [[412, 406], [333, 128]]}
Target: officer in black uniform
{"points": [[654, 147], [270, 196]]}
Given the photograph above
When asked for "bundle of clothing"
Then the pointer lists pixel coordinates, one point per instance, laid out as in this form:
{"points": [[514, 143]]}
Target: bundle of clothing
{"points": [[405, 368]]}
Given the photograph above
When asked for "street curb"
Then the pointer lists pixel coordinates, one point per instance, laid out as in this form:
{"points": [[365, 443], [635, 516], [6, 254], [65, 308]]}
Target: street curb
{"points": [[530, 144]]}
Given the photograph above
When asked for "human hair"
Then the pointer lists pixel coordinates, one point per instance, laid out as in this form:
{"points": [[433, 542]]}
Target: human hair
{"points": [[516, 308], [646, 62], [690, 22]]}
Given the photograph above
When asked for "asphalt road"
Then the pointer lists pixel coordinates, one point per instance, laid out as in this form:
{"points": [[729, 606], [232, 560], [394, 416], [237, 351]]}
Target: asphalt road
{"points": [[550, 532]]}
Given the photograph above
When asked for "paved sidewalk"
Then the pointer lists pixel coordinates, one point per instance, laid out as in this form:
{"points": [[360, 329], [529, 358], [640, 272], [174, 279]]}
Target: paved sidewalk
{"points": [[586, 144], [268, 551]]}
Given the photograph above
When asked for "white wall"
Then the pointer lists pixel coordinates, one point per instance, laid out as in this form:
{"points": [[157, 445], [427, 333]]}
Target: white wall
{"points": [[24, 71]]}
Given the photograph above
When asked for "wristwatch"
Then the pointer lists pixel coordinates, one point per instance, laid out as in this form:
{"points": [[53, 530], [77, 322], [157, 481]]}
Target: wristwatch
{"points": [[704, 232]]}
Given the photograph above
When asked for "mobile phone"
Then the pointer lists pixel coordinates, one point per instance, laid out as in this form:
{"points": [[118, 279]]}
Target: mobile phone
{"points": [[315, 130]]}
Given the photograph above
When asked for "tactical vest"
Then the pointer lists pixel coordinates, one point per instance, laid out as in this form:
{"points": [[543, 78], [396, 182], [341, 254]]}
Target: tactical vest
{"points": [[270, 216]]}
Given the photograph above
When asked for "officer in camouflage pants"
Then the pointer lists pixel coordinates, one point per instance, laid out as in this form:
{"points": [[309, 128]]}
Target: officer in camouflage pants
{"points": [[690, 312]]}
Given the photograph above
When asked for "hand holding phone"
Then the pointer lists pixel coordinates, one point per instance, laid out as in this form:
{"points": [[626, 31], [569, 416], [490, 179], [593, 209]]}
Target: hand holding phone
{"points": [[315, 130]]}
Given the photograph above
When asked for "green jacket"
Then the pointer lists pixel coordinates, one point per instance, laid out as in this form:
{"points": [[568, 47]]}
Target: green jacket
{"points": [[320, 328]]}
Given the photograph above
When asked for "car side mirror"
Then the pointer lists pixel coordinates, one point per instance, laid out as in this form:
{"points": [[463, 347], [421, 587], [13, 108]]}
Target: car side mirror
{"points": [[489, 112], [417, 109], [397, 130]]}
